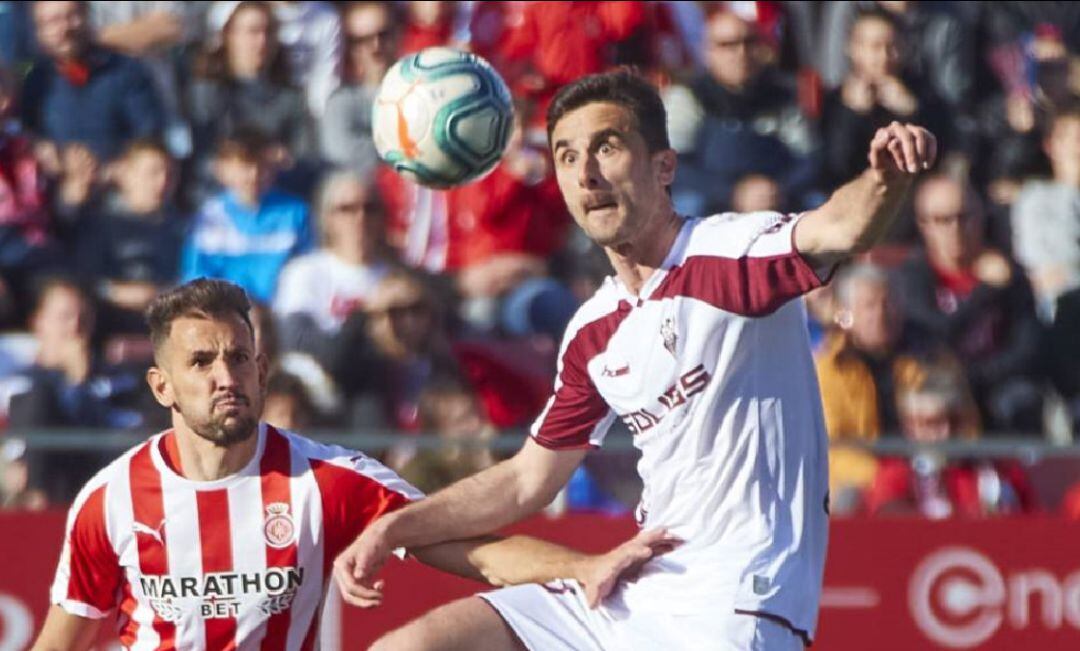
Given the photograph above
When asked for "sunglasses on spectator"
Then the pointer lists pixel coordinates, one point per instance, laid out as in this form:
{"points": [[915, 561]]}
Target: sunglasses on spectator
{"points": [[395, 311], [946, 220], [367, 207], [367, 39], [746, 41]]}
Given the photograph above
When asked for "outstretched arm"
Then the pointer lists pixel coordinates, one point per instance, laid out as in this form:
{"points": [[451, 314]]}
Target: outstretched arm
{"points": [[475, 506], [523, 559], [860, 212]]}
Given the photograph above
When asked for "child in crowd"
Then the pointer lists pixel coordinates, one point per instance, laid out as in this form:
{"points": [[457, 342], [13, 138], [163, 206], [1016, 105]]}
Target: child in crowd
{"points": [[130, 245], [248, 231]]}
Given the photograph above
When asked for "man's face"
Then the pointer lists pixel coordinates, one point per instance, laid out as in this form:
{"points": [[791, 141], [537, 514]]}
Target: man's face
{"points": [[63, 317], [949, 228], [612, 185], [874, 323], [351, 218], [61, 29], [926, 419], [370, 38], [209, 373], [873, 49], [729, 50], [401, 320]]}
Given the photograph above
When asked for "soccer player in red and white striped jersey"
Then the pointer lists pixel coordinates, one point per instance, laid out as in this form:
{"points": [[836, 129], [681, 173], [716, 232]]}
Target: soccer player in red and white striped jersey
{"points": [[221, 532]]}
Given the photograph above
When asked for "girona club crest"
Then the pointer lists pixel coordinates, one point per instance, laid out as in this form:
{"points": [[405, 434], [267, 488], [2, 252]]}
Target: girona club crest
{"points": [[279, 529]]}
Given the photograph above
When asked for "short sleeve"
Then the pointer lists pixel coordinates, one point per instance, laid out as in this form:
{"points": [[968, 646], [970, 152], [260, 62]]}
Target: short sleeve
{"points": [[577, 416], [743, 263], [356, 491], [88, 577]]}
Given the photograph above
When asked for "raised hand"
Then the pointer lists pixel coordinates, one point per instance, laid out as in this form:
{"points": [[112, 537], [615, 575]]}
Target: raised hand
{"points": [[902, 149]]}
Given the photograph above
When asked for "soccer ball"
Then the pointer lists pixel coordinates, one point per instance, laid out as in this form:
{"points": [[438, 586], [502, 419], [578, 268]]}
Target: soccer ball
{"points": [[442, 117]]}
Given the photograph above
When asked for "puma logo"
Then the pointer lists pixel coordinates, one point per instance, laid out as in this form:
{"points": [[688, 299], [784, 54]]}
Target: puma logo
{"points": [[157, 534]]}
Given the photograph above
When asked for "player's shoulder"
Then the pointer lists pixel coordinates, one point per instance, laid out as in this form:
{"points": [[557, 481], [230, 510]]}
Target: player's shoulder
{"points": [[341, 462], [116, 470], [602, 305], [732, 234]]}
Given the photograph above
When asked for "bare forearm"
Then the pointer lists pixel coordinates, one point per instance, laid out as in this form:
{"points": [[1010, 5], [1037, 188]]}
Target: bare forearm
{"points": [[856, 217], [504, 561], [475, 506]]}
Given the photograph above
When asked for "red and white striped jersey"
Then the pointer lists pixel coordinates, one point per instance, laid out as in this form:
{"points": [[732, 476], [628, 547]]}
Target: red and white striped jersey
{"points": [[237, 563], [709, 366]]}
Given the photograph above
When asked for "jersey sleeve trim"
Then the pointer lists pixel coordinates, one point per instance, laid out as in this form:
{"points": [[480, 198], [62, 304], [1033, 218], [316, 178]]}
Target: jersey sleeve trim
{"points": [[577, 416]]}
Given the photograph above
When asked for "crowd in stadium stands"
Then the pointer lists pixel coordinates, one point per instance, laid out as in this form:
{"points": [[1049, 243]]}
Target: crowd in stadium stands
{"points": [[147, 143]]}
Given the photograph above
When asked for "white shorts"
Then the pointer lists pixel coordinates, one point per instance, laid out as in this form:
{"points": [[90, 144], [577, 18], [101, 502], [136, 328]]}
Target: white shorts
{"points": [[556, 617]]}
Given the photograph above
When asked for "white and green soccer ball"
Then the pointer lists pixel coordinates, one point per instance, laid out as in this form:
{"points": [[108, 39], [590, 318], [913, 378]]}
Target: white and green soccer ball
{"points": [[442, 117]]}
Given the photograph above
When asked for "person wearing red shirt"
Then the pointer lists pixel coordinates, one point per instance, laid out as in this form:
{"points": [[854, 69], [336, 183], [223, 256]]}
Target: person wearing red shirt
{"points": [[933, 486], [978, 301]]}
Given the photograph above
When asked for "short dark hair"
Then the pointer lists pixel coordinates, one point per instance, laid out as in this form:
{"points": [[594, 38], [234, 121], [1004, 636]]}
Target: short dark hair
{"points": [[145, 144], [201, 298], [246, 143], [623, 87]]}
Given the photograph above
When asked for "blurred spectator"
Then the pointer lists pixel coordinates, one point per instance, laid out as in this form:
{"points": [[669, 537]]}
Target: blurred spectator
{"points": [[494, 234], [979, 302], [310, 33], [939, 48], [317, 292], [863, 364], [396, 346], [69, 386], [450, 409], [242, 82], [738, 117], [16, 34], [933, 486], [1063, 347], [16, 491], [1046, 215], [288, 405], [428, 23], [370, 46], [158, 34], [24, 218], [558, 42], [873, 94], [83, 93], [130, 245], [755, 193], [247, 232]]}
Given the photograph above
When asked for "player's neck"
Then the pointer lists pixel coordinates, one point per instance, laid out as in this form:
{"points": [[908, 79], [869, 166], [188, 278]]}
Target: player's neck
{"points": [[202, 460], [636, 261]]}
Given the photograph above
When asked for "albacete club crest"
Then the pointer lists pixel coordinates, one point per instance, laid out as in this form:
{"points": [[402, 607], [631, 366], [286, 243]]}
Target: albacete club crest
{"points": [[278, 528], [667, 331]]}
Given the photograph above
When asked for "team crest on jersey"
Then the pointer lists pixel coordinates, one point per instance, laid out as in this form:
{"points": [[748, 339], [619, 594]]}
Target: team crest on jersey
{"points": [[278, 528], [667, 331]]}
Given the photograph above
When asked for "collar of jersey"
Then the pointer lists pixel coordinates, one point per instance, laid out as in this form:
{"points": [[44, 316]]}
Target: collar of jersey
{"points": [[249, 470], [673, 258]]}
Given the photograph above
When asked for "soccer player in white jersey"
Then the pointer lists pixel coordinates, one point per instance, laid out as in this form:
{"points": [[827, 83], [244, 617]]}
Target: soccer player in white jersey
{"points": [[220, 533], [697, 345]]}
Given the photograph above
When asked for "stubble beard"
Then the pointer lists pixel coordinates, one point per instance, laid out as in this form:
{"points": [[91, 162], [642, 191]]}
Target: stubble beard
{"points": [[224, 430]]}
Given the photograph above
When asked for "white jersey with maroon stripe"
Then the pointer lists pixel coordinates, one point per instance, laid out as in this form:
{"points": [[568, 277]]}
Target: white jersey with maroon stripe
{"points": [[237, 563], [710, 368]]}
